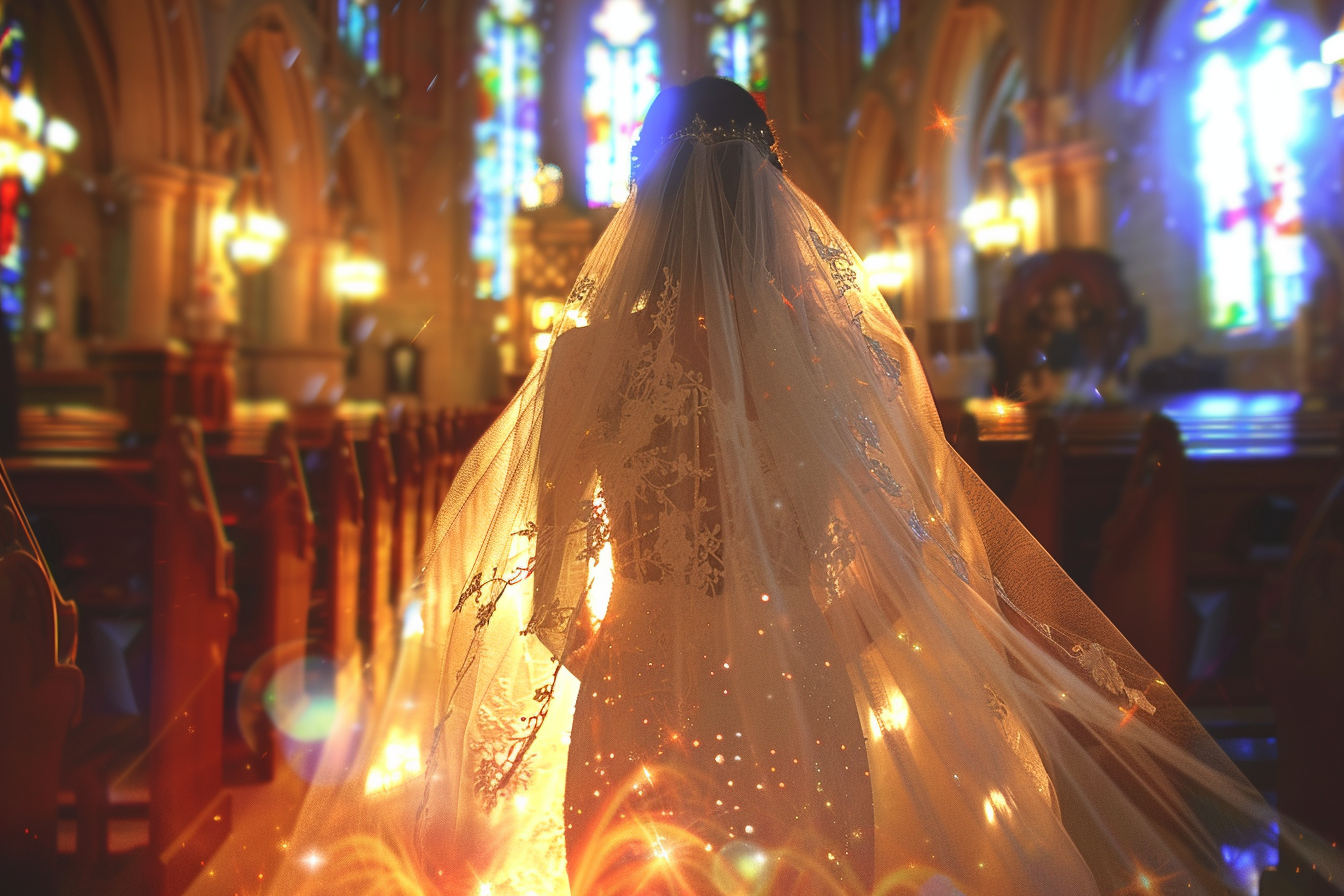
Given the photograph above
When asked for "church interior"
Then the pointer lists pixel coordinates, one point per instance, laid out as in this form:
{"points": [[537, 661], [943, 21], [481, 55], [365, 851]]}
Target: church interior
{"points": [[268, 269]]}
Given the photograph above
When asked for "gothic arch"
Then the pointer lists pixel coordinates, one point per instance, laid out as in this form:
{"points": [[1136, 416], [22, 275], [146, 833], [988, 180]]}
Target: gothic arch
{"points": [[287, 138], [368, 172], [873, 162]]}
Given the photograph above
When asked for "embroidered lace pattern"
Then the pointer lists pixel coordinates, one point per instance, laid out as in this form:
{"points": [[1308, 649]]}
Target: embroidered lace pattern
{"points": [[1094, 658], [660, 409]]}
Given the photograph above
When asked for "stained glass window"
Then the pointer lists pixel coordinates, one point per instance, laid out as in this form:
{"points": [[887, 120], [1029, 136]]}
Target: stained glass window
{"points": [[358, 28], [508, 83], [737, 44], [13, 196], [1249, 113], [623, 75], [879, 20]]}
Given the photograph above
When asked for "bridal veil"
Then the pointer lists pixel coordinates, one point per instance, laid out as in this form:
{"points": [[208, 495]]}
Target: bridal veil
{"points": [[714, 608]]}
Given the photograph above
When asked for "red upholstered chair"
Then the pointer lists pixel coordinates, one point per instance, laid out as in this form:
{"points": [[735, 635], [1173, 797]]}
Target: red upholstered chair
{"points": [[1038, 497], [39, 702], [1139, 580]]}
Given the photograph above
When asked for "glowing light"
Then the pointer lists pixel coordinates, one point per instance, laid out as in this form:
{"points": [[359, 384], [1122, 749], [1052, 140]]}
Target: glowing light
{"points": [[257, 239], [400, 762], [896, 714], [624, 73], [359, 278], [944, 122], [601, 571], [887, 271], [996, 805], [61, 135], [1312, 75], [31, 147], [737, 44], [544, 314], [995, 225], [879, 20], [543, 189], [541, 342], [413, 621], [28, 112], [508, 83], [1221, 17], [1332, 48], [313, 860]]}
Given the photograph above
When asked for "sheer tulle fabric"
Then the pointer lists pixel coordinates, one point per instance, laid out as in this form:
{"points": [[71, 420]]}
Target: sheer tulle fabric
{"points": [[708, 611]]}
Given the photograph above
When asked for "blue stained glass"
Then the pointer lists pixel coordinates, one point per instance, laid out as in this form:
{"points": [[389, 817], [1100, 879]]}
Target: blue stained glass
{"points": [[359, 32], [879, 20], [1248, 115], [508, 79], [624, 72], [737, 44]]}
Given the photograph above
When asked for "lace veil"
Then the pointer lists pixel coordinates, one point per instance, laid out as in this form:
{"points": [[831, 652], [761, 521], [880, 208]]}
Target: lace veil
{"points": [[727, 469]]}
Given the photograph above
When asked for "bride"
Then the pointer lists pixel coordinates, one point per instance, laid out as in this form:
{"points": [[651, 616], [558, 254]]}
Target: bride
{"points": [[714, 608]]}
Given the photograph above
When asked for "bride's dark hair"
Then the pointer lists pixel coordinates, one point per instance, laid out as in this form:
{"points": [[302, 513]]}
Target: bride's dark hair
{"points": [[718, 102]]}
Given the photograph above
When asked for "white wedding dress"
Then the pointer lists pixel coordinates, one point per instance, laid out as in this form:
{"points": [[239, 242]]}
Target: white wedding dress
{"points": [[714, 608]]}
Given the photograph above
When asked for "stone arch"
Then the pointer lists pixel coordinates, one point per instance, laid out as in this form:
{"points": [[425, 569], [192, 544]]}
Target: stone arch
{"points": [[365, 168], [873, 161], [276, 103]]}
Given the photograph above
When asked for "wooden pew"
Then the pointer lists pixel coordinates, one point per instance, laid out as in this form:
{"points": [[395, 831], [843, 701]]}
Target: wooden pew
{"points": [[406, 510], [1299, 662], [431, 466], [39, 702], [967, 439], [1038, 497], [263, 504], [141, 540], [446, 443], [1140, 576], [377, 616], [338, 510]]}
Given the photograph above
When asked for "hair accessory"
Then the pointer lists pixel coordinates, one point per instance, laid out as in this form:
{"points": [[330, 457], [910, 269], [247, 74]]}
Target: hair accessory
{"points": [[701, 132]]}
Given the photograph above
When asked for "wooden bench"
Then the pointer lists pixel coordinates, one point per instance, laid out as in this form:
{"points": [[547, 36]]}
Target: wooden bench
{"points": [[1037, 499], [338, 510], [432, 462], [140, 541], [1140, 580], [377, 471], [1299, 661], [406, 513], [263, 504], [39, 701]]}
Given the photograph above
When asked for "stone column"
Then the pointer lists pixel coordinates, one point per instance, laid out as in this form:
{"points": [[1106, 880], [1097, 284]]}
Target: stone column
{"points": [[913, 240], [1085, 165], [293, 365], [293, 284], [325, 324], [211, 285], [153, 192], [1037, 173]]}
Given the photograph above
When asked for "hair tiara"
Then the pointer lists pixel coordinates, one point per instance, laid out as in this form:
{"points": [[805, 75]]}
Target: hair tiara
{"points": [[701, 132]]}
